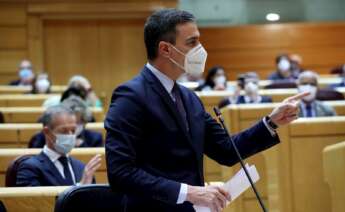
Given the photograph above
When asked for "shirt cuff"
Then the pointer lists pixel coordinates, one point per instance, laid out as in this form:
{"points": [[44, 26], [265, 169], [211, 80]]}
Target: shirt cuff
{"points": [[269, 128], [182, 196]]}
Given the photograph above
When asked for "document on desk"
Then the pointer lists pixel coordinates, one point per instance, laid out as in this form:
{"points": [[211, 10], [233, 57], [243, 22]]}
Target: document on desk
{"points": [[236, 185]]}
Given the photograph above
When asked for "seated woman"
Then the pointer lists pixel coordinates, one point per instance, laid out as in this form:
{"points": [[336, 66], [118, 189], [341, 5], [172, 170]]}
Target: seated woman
{"points": [[41, 84], [249, 83], [283, 71], [91, 98], [215, 80], [85, 137]]}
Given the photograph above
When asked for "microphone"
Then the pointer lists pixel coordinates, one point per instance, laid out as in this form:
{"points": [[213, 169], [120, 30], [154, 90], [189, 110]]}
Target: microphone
{"points": [[221, 120]]}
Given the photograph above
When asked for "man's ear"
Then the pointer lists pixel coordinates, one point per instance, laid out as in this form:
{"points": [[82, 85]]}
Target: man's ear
{"points": [[47, 134], [164, 49]]}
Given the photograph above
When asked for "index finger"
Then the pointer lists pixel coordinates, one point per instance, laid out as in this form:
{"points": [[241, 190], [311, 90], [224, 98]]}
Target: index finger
{"points": [[298, 96]]}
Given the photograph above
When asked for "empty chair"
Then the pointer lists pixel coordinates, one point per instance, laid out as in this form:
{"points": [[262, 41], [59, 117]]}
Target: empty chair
{"points": [[93, 197]]}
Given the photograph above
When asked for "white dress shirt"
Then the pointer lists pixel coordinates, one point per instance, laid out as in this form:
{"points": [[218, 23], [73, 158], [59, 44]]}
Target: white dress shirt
{"points": [[54, 158], [168, 84]]}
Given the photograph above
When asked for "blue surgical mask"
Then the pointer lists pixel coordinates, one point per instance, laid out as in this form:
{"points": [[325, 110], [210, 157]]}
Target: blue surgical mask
{"points": [[25, 73], [64, 143]]}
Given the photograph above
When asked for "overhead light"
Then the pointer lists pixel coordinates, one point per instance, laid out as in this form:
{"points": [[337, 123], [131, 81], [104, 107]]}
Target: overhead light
{"points": [[272, 17]]}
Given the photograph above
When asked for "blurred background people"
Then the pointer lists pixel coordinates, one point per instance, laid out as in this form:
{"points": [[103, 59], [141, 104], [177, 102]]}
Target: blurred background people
{"points": [[41, 84], [248, 85], [53, 166], [85, 137], [91, 97], [342, 83], [215, 80], [283, 69], [25, 74], [310, 107], [296, 63]]}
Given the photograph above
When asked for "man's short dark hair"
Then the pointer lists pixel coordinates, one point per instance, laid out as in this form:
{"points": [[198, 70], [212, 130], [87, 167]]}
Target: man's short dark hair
{"points": [[161, 26]]}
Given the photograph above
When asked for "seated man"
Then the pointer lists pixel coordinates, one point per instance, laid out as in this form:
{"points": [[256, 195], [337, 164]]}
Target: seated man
{"points": [[310, 107], [251, 88], [25, 73], [53, 166], [85, 138]]}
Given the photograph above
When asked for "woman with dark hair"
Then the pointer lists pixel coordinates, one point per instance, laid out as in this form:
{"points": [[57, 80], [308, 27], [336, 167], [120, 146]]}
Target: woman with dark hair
{"points": [[41, 84], [215, 80]]}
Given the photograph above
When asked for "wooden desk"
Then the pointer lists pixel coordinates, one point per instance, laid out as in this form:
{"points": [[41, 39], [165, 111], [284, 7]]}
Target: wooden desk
{"points": [[334, 174], [211, 99], [30, 199], [291, 172], [7, 89], [24, 100], [32, 114], [18, 135], [82, 154]]}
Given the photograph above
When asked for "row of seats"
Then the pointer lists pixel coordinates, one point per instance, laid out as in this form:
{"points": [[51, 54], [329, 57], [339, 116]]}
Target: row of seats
{"points": [[291, 173]]}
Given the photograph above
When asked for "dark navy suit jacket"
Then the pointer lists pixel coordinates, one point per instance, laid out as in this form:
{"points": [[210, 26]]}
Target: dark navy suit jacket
{"points": [[91, 139], [149, 151], [40, 171]]}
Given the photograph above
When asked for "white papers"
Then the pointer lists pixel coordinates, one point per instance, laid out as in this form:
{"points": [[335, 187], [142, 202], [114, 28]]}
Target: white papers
{"points": [[236, 185]]}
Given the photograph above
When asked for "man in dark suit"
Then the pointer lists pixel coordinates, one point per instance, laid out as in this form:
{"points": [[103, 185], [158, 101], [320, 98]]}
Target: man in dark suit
{"points": [[85, 138], [53, 166], [158, 131], [250, 85]]}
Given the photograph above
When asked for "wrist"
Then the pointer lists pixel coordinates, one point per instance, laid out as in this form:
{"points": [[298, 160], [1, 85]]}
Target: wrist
{"points": [[271, 123]]}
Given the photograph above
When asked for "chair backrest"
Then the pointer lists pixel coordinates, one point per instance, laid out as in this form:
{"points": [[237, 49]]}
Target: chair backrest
{"points": [[281, 84], [328, 95], [12, 169], [2, 119], [93, 197]]}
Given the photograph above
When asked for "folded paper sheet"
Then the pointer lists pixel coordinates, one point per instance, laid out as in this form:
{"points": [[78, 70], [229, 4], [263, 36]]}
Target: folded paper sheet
{"points": [[236, 185]]}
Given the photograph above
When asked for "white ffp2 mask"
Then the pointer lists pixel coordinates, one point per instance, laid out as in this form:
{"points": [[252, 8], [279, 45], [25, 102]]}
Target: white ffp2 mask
{"points": [[308, 88], [194, 61]]}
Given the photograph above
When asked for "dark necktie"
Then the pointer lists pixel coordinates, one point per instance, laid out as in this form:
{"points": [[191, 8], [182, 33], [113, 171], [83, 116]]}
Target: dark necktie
{"points": [[309, 111], [68, 177], [179, 104]]}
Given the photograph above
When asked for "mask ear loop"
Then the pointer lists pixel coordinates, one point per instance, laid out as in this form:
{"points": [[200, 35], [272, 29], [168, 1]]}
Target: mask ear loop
{"points": [[176, 63]]}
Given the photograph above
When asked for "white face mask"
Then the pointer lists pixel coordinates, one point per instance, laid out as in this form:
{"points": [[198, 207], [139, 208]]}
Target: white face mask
{"points": [[194, 61], [284, 65], [64, 143], [251, 88], [308, 88], [220, 80], [42, 85]]}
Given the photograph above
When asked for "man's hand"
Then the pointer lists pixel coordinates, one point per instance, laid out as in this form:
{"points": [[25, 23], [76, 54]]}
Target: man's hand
{"points": [[90, 169], [212, 197], [288, 110]]}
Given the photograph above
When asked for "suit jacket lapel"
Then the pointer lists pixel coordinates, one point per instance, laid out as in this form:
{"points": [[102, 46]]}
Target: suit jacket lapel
{"points": [[50, 168], [158, 87], [77, 172]]}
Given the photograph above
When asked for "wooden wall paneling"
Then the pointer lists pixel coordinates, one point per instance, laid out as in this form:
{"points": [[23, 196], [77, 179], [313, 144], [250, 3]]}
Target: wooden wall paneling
{"points": [[12, 14], [122, 52], [72, 47], [254, 47], [35, 42]]}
